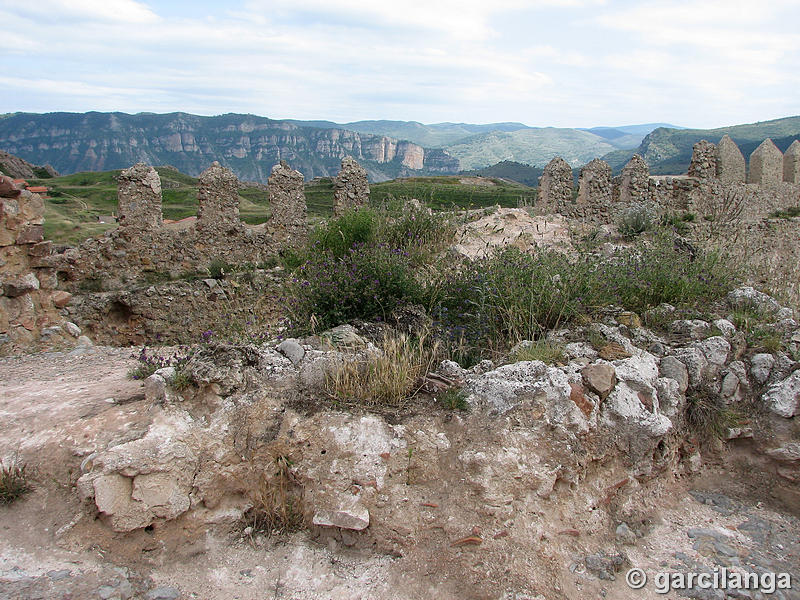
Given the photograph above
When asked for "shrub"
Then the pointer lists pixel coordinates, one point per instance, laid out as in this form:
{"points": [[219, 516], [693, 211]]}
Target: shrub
{"points": [[13, 482], [513, 296], [388, 378], [367, 282], [787, 213], [453, 399], [635, 220], [338, 236], [218, 268], [150, 361]]}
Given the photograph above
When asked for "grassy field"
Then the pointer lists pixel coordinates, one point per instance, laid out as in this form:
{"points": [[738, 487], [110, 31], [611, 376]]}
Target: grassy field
{"points": [[77, 201]]}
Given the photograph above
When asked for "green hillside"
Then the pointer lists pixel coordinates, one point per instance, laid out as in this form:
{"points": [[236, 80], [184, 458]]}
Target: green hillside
{"points": [[669, 151], [531, 146]]}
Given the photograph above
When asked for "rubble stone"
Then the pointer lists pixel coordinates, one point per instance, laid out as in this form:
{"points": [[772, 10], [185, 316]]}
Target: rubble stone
{"points": [[218, 200], [555, 187], [139, 197], [350, 187], [288, 202]]}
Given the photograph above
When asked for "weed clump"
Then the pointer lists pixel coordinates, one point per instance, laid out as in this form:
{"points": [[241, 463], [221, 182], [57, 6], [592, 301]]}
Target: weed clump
{"points": [[387, 378], [13, 482], [277, 500]]}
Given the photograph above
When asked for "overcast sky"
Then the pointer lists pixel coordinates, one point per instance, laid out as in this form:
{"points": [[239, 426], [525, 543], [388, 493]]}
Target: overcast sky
{"points": [[563, 63]]}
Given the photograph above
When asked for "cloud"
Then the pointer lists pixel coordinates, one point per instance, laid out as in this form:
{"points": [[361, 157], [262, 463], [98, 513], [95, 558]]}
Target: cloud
{"points": [[557, 62], [82, 11]]}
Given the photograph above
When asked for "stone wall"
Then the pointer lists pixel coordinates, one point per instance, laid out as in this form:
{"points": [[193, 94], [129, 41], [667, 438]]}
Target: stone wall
{"points": [[31, 308], [288, 202], [730, 161], [791, 163], [555, 187], [766, 164], [704, 161], [594, 192], [634, 183], [218, 202], [350, 187], [139, 198], [144, 248]]}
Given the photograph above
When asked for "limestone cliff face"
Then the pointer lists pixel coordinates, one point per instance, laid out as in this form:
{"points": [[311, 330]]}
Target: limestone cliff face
{"points": [[246, 144]]}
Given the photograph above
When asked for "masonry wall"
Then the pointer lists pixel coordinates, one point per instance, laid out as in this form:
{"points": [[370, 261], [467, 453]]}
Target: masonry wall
{"points": [[31, 308], [144, 248]]}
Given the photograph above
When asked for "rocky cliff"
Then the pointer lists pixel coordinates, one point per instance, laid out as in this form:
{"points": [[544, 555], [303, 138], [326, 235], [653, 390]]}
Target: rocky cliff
{"points": [[247, 144]]}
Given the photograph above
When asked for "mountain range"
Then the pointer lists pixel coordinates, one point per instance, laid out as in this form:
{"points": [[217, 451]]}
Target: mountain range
{"points": [[250, 145]]}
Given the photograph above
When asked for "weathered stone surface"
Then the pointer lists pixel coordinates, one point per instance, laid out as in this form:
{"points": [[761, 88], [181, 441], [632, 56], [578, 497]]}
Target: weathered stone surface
{"points": [[715, 350], [766, 164], [695, 362], [61, 298], [600, 378], [594, 190], [7, 187], [635, 181], [72, 329], [555, 187], [292, 350], [761, 366], [343, 335], [704, 161], [783, 397], [692, 328], [725, 327], [218, 201], [288, 202], [675, 369], [349, 514], [31, 234], [20, 285], [791, 163], [139, 197], [730, 161], [747, 297], [350, 186]]}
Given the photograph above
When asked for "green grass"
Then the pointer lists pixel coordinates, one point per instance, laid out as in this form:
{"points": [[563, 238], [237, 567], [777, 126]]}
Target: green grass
{"points": [[77, 200]]}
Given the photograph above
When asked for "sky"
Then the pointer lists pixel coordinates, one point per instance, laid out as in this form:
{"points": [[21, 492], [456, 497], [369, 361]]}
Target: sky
{"points": [[560, 63]]}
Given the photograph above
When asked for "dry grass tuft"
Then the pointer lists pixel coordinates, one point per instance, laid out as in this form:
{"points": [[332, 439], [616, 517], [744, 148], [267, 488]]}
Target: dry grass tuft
{"points": [[390, 377], [277, 499], [13, 482]]}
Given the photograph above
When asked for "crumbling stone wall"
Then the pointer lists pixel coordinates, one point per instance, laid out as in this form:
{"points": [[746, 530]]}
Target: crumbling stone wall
{"points": [[766, 164], [730, 161], [144, 248], [635, 181], [218, 201], [704, 161], [288, 202], [139, 197], [555, 187], [716, 182], [791, 163], [350, 186], [594, 191], [673, 192], [30, 305]]}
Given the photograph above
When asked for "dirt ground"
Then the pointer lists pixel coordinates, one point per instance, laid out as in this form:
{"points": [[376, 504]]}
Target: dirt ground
{"points": [[59, 408]]}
